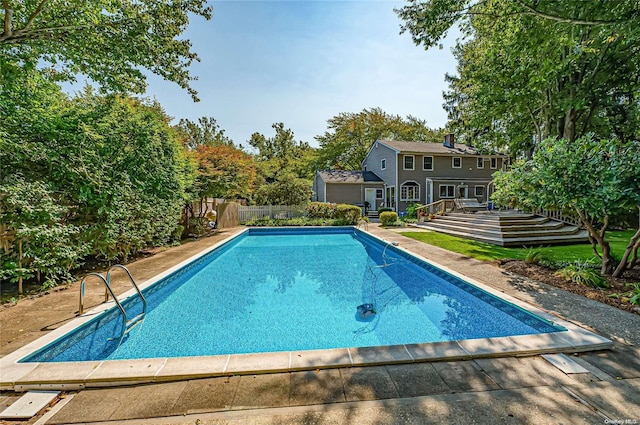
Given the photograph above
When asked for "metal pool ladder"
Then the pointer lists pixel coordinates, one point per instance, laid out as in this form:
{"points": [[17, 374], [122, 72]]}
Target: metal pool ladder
{"points": [[127, 324]]}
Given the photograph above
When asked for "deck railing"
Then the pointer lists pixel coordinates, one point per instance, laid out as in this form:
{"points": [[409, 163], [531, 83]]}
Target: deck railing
{"points": [[440, 207], [560, 216]]}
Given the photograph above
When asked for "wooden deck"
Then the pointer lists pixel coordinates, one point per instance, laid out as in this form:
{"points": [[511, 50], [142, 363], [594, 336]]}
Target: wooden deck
{"points": [[507, 228]]}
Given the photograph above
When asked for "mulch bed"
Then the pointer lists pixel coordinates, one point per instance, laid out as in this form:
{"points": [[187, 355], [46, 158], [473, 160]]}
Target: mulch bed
{"points": [[603, 295]]}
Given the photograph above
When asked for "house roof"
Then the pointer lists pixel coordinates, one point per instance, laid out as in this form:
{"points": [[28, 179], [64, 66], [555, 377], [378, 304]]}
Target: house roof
{"points": [[346, 176], [434, 148]]}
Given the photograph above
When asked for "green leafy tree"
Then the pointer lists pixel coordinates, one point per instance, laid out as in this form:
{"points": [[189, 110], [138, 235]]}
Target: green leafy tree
{"points": [[532, 70], [283, 162], [205, 132], [287, 189], [596, 179], [350, 135], [224, 172], [110, 42], [93, 175]]}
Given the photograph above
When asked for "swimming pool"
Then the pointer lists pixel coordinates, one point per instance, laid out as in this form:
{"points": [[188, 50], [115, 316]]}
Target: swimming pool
{"points": [[272, 290]]}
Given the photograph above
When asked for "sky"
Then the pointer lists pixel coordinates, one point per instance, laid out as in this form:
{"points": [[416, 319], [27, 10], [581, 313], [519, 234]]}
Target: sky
{"points": [[302, 63]]}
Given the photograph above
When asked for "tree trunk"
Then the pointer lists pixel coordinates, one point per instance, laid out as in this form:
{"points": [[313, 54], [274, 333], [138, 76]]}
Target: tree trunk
{"points": [[569, 130], [632, 247], [598, 236], [634, 260]]}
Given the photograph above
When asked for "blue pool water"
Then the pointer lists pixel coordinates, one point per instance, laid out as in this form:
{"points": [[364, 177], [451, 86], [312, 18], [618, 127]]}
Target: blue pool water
{"points": [[298, 289]]}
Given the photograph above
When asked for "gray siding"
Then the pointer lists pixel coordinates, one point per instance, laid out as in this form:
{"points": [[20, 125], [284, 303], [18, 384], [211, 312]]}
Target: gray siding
{"points": [[318, 188], [345, 193], [373, 160], [444, 174]]}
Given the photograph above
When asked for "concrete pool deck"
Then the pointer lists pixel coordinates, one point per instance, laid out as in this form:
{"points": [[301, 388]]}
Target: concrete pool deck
{"points": [[403, 386]]}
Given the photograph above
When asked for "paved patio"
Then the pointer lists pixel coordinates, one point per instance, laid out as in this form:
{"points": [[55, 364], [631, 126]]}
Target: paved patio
{"points": [[595, 388]]}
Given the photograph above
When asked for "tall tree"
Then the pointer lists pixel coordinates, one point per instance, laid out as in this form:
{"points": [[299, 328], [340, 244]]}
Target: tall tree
{"points": [[90, 175], [350, 135], [223, 172], [205, 132], [110, 42], [531, 70], [283, 164]]}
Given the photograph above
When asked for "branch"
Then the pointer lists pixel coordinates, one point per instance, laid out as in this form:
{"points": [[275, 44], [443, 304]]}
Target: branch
{"points": [[8, 14], [532, 11], [34, 15], [16, 36]]}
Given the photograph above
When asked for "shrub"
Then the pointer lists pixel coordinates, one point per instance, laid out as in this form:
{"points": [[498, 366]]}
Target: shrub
{"points": [[534, 256], [321, 210], [383, 209], [634, 293], [584, 274], [412, 210], [350, 213], [388, 218], [345, 214]]}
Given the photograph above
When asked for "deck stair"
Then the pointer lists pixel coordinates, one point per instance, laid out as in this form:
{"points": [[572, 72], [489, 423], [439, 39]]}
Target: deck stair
{"points": [[507, 228]]}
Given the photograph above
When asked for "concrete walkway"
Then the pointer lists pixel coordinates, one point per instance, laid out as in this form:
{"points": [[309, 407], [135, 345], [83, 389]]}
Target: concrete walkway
{"points": [[594, 388]]}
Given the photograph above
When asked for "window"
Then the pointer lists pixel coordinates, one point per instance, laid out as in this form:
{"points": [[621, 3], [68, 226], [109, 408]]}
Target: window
{"points": [[480, 163], [410, 191], [447, 190], [383, 164], [494, 163], [408, 162], [378, 193], [479, 191], [456, 162], [427, 163]]}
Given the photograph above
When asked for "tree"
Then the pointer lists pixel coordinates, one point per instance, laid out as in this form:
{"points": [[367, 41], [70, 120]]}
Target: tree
{"points": [[89, 175], [285, 163], [597, 179], [287, 189], [223, 172], [205, 132], [350, 135], [110, 42], [532, 70]]}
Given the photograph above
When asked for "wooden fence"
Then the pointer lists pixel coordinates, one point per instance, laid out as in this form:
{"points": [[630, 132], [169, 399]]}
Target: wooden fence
{"points": [[247, 213]]}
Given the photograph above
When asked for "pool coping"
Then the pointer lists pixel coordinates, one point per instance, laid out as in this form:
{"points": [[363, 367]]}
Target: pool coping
{"points": [[104, 373]]}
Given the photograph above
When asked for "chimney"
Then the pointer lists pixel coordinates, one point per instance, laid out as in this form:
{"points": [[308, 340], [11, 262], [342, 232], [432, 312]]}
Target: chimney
{"points": [[448, 141]]}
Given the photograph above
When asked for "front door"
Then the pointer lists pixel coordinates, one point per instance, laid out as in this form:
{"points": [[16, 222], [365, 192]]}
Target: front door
{"points": [[370, 198]]}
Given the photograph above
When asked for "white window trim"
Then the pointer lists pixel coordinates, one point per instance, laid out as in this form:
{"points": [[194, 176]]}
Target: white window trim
{"points": [[475, 190], [491, 164], [432, 164], [383, 164], [480, 163], [381, 192], [415, 184], [453, 160], [404, 163], [448, 185]]}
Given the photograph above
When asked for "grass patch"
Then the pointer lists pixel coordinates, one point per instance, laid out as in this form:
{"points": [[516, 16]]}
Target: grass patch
{"points": [[487, 252]]}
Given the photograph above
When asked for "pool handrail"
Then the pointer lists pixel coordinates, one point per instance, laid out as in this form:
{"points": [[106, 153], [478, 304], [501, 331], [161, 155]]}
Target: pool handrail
{"points": [[108, 291], [127, 325]]}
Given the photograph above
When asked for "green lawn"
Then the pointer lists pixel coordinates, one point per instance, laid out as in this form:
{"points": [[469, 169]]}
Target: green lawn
{"points": [[488, 252]]}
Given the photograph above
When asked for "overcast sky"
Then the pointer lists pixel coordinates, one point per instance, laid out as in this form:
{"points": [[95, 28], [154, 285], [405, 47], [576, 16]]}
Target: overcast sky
{"points": [[303, 62]]}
